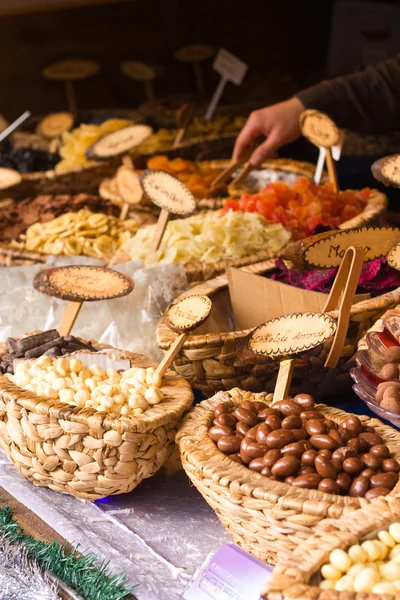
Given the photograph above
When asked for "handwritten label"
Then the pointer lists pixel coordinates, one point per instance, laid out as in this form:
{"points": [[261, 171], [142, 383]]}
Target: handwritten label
{"points": [[119, 142], [291, 334], [391, 169], [129, 187], [229, 66], [189, 313], [393, 257], [194, 53], [166, 191], [329, 251], [319, 129], [137, 70], [9, 177], [55, 124], [83, 283], [71, 70]]}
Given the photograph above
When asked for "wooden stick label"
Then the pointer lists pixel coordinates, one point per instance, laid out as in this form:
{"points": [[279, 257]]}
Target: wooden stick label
{"points": [[328, 252], [229, 66], [137, 70], [119, 141], [55, 124], [291, 334], [393, 257], [387, 170], [129, 187], [189, 313], [71, 70], [83, 283], [319, 129], [166, 191], [9, 177], [194, 53]]}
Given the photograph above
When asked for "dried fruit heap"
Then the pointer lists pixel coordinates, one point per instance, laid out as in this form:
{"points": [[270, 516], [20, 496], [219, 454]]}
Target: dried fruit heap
{"points": [[303, 206]]}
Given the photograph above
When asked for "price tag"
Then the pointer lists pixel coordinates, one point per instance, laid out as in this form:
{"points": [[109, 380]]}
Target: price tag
{"points": [[319, 129], [167, 192], [231, 69], [71, 70], [55, 124], [326, 250], [194, 53], [183, 317], [119, 142], [9, 177], [138, 71], [79, 284], [387, 170], [291, 334]]}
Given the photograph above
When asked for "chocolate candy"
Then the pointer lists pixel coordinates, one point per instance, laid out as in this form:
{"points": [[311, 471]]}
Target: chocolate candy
{"points": [[279, 438], [305, 401], [286, 466], [376, 492], [229, 444], [221, 408], [302, 448]]}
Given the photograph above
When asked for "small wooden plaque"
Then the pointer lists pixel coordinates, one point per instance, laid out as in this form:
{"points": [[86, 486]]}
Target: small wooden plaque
{"points": [[319, 129], [129, 187], [393, 257], [9, 177], [291, 334], [194, 53], [83, 283], [328, 251], [72, 69], [387, 170], [189, 313], [55, 124], [138, 71], [167, 192], [119, 142]]}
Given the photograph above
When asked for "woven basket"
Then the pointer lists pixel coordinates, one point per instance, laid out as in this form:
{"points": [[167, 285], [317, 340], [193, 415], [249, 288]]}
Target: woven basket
{"points": [[265, 517], [209, 361], [294, 577], [84, 452]]}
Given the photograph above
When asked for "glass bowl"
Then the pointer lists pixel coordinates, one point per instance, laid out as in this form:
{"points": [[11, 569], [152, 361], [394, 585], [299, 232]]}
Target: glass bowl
{"points": [[369, 362]]}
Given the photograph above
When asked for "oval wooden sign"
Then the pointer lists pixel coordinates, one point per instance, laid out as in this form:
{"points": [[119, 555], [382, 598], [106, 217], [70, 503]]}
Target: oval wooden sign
{"points": [[319, 129], [167, 192], [387, 170], [328, 251], [119, 142], [291, 334], [393, 257], [71, 69], [137, 70], [129, 187], [9, 177], [83, 283], [55, 124], [189, 313], [194, 53]]}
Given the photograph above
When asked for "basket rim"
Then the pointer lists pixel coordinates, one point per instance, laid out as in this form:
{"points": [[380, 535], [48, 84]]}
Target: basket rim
{"points": [[177, 391], [292, 575], [192, 438]]}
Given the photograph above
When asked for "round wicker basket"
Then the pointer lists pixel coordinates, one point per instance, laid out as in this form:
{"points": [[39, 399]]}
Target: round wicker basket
{"points": [[296, 577], [209, 361], [267, 518], [84, 452]]}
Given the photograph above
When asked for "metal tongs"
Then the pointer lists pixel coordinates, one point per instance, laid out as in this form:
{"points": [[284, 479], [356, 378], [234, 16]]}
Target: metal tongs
{"points": [[230, 169]]}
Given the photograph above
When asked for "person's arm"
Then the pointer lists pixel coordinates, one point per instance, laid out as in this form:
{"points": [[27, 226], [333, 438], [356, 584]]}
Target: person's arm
{"points": [[367, 101]]}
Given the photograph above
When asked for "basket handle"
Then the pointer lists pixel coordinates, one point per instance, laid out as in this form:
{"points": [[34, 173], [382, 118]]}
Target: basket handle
{"points": [[343, 290]]}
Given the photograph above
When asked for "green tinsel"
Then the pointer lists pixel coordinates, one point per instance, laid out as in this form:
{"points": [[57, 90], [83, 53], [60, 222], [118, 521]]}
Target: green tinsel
{"points": [[78, 571]]}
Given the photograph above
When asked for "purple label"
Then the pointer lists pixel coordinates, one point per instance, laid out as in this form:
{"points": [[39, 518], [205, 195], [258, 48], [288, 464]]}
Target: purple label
{"points": [[231, 574]]}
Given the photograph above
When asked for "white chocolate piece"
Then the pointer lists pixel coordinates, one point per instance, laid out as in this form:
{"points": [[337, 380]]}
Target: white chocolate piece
{"points": [[394, 551], [358, 554], [366, 580], [345, 583], [330, 572], [386, 538], [339, 559], [355, 570], [327, 584], [384, 587], [390, 571], [372, 549], [394, 531]]}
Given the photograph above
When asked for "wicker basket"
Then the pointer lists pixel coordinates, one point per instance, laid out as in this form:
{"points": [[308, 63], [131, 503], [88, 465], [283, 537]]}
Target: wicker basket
{"points": [[297, 576], [267, 518], [84, 452], [209, 361]]}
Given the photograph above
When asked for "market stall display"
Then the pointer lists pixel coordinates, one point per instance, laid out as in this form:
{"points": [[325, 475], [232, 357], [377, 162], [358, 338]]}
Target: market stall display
{"points": [[355, 555]]}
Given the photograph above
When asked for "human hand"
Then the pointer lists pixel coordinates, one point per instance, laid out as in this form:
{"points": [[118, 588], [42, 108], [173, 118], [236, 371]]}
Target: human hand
{"points": [[279, 123]]}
